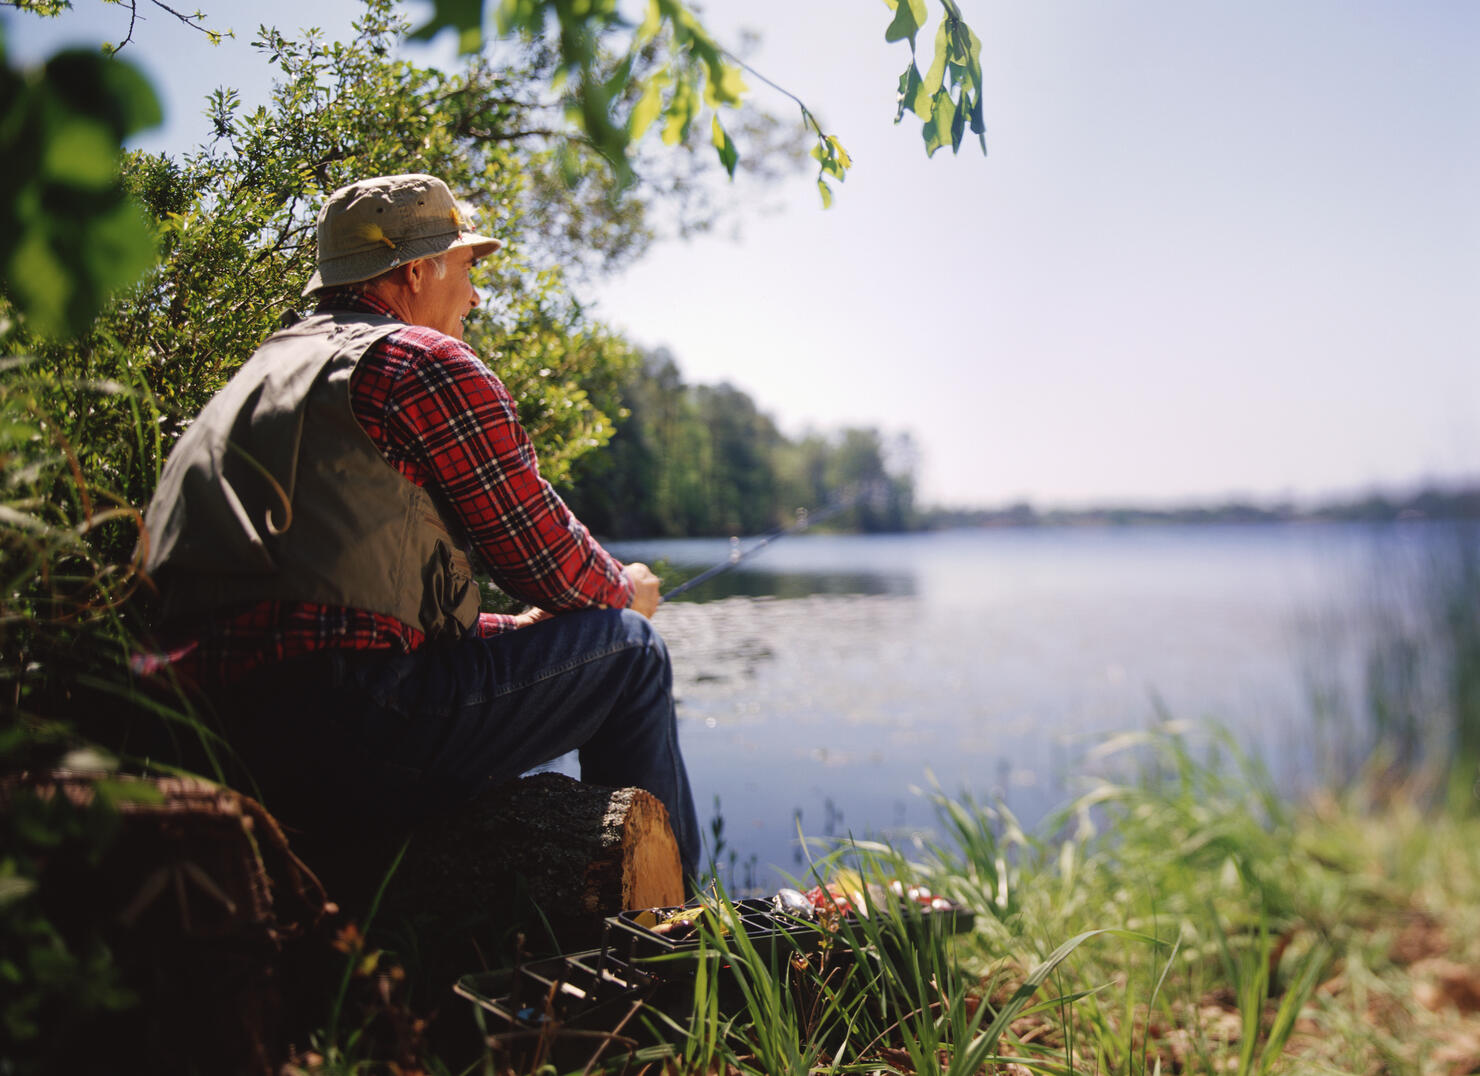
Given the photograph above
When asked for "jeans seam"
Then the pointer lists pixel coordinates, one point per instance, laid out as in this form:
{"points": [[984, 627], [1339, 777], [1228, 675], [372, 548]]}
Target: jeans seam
{"points": [[564, 667]]}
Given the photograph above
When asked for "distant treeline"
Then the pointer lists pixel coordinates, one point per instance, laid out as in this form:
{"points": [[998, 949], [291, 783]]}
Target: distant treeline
{"points": [[703, 460], [1427, 503]]}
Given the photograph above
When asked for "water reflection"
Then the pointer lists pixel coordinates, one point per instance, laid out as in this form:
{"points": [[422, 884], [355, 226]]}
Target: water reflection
{"points": [[803, 565], [754, 583], [836, 678]]}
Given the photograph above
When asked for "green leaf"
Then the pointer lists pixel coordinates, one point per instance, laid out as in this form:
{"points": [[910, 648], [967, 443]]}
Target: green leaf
{"points": [[937, 72], [520, 15], [831, 158], [615, 84], [958, 125], [466, 17], [652, 22], [113, 91], [938, 128], [826, 191], [132, 102], [729, 156], [81, 152], [13, 888], [968, 49], [570, 163], [649, 106], [844, 161], [682, 108], [40, 282], [909, 94], [69, 235], [909, 16], [727, 89], [978, 121]]}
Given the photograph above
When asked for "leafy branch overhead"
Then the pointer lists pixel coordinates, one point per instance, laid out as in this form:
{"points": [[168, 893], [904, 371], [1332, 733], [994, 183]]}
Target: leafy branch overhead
{"points": [[614, 107], [50, 9], [71, 236], [949, 96]]}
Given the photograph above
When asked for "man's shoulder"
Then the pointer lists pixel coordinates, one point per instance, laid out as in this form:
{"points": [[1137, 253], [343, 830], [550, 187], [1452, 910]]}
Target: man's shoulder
{"points": [[424, 340], [337, 327], [415, 354]]}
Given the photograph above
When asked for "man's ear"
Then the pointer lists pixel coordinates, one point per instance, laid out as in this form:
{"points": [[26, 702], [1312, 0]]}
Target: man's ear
{"points": [[413, 276]]}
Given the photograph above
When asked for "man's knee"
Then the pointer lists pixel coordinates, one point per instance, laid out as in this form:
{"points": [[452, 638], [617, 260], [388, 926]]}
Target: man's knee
{"points": [[637, 631]]}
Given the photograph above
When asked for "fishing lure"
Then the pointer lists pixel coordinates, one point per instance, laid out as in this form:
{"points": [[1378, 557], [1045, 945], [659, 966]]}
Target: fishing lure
{"points": [[793, 902]]}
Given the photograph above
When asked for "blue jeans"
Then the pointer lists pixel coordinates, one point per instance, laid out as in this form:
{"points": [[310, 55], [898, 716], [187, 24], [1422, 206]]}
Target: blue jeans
{"points": [[369, 736]]}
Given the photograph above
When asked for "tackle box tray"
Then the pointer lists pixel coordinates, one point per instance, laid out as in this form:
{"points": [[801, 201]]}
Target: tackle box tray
{"points": [[589, 989]]}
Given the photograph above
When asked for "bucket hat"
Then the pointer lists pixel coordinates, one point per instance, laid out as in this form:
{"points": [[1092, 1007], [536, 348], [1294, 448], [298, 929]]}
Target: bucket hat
{"points": [[374, 225]]}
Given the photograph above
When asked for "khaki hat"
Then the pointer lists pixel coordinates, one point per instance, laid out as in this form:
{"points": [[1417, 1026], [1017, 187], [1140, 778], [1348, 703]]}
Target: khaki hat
{"points": [[377, 224]]}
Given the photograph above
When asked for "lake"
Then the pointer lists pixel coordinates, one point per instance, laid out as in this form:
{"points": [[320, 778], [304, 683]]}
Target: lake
{"points": [[825, 681]]}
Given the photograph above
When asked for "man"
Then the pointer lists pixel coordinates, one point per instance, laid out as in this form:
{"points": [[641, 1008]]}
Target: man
{"points": [[313, 533]]}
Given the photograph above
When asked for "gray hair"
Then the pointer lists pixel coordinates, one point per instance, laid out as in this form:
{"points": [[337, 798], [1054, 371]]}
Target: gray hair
{"points": [[438, 262]]}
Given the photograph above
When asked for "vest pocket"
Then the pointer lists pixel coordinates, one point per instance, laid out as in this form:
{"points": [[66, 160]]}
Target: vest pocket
{"points": [[449, 593]]}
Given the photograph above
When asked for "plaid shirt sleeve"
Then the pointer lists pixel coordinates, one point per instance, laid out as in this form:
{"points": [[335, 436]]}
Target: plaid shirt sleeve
{"points": [[451, 425]]}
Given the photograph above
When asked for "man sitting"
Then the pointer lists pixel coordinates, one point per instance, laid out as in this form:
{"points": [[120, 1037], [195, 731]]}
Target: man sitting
{"points": [[313, 538]]}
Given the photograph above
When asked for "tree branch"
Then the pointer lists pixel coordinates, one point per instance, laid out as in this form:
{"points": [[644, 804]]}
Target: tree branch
{"points": [[510, 136], [195, 20]]}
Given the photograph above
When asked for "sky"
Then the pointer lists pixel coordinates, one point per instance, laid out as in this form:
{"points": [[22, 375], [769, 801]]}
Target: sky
{"points": [[1214, 250]]}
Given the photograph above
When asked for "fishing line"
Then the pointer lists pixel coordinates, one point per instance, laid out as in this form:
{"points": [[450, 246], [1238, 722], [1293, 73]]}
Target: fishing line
{"points": [[804, 520]]}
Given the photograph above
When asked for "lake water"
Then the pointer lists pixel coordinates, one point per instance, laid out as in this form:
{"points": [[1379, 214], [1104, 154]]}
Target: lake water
{"points": [[829, 678]]}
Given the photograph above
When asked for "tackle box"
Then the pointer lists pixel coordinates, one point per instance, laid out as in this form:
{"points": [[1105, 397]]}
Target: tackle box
{"points": [[602, 989], [629, 936]]}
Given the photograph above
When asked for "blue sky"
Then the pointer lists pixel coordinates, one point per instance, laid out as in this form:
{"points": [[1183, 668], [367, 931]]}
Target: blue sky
{"points": [[1215, 250]]}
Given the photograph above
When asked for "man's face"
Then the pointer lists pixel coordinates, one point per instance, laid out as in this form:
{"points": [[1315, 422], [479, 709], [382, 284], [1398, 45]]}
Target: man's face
{"points": [[442, 304]]}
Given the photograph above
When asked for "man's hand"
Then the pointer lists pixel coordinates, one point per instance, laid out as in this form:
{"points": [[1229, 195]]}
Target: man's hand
{"points": [[646, 595], [533, 615]]}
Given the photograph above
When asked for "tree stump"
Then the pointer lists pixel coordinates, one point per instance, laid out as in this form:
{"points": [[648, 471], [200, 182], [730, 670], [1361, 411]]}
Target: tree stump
{"points": [[193, 891]]}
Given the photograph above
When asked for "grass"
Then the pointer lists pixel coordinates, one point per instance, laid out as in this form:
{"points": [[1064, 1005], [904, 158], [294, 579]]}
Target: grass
{"points": [[1178, 918]]}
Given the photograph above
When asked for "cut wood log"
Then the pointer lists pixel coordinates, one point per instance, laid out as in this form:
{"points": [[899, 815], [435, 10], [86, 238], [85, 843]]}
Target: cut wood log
{"points": [[577, 852], [530, 868]]}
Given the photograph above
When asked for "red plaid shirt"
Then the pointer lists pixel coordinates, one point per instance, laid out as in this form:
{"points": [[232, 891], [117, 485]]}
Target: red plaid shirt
{"points": [[442, 419]]}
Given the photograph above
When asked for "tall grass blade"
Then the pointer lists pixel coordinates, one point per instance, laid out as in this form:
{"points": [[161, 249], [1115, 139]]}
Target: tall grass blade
{"points": [[1312, 968], [983, 1047], [337, 1008]]}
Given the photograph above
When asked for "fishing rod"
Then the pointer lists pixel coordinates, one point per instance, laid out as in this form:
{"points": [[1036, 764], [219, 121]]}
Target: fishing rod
{"points": [[804, 520]]}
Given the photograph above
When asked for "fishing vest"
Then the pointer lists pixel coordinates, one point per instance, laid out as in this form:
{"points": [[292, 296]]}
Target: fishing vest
{"points": [[276, 492]]}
